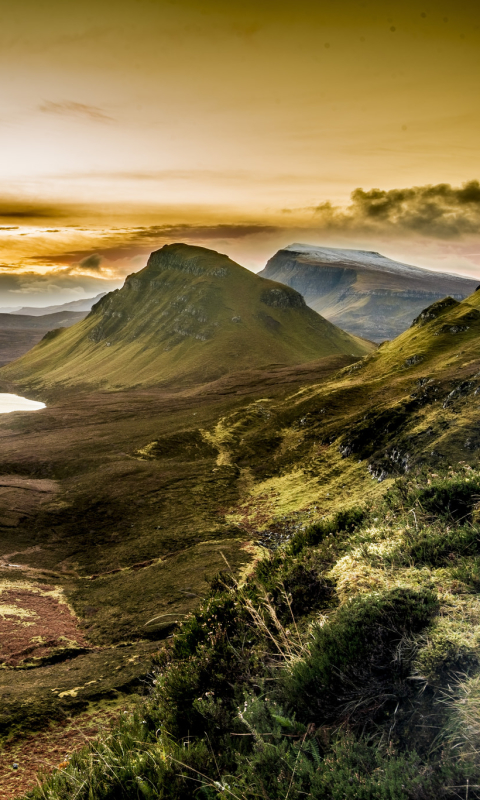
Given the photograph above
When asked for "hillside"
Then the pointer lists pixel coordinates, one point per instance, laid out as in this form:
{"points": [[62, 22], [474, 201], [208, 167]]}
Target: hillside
{"points": [[362, 292], [18, 333], [190, 316], [348, 656]]}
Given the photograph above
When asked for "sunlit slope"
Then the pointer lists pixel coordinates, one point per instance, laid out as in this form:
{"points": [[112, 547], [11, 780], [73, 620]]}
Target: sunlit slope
{"points": [[416, 400], [191, 315]]}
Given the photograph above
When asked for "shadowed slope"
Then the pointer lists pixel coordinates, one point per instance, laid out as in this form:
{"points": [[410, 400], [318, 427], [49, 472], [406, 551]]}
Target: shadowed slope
{"points": [[363, 292], [190, 316]]}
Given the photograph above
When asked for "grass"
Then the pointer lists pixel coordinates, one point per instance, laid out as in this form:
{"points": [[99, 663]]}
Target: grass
{"points": [[286, 685], [200, 475]]}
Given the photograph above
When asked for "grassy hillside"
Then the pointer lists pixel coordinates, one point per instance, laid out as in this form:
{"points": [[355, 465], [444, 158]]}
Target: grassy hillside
{"points": [[346, 666], [353, 485], [346, 662], [189, 317]]}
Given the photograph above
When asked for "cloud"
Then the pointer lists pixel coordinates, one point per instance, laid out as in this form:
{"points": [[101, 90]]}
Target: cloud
{"points": [[92, 263], [32, 288], [19, 210], [70, 108], [201, 232], [438, 211]]}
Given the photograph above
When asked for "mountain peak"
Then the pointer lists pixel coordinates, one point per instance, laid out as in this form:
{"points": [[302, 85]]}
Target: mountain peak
{"points": [[362, 291], [190, 316]]}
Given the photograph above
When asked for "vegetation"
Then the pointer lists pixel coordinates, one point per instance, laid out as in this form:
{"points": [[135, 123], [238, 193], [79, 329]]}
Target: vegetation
{"points": [[346, 665], [190, 316], [358, 626]]}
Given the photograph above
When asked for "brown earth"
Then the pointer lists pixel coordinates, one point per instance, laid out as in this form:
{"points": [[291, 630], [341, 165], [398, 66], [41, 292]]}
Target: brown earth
{"points": [[103, 547], [26, 761], [34, 623]]}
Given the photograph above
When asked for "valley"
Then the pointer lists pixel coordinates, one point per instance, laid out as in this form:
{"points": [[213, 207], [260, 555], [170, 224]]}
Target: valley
{"points": [[119, 504], [19, 333]]}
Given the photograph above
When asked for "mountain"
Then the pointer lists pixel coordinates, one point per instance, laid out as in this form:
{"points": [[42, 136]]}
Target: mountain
{"points": [[75, 305], [363, 292], [19, 333], [190, 316], [9, 309]]}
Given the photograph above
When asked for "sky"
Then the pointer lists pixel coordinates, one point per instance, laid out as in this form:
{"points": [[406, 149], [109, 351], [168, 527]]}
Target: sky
{"points": [[240, 125]]}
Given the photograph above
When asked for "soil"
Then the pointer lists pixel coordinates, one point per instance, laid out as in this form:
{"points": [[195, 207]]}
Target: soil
{"points": [[34, 623], [26, 760], [103, 551]]}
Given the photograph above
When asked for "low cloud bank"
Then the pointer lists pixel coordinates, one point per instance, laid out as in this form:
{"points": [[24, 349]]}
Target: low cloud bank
{"points": [[32, 289], [438, 211], [434, 226]]}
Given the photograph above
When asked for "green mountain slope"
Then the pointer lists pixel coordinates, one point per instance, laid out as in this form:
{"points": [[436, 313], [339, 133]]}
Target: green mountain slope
{"points": [[190, 316]]}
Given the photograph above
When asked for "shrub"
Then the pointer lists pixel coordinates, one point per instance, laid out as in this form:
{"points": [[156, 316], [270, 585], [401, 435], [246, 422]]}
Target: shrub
{"points": [[351, 659], [451, 498]]}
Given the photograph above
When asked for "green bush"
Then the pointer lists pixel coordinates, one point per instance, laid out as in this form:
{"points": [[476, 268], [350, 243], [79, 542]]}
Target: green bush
{"points": [[448, 497], [294, 761], [351, 657]]}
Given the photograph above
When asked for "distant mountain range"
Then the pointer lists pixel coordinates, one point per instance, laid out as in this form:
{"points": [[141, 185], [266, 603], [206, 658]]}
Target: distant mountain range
{"points": [[363, 292], [19, 333], [75, 305], [190, 316]]}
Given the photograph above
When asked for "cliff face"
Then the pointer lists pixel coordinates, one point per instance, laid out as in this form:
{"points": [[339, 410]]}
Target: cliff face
{"points": [[362, 292]]}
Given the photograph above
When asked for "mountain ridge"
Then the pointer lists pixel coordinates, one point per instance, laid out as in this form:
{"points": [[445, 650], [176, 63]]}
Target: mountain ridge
{"points": [[85, 304], [362, 291]]}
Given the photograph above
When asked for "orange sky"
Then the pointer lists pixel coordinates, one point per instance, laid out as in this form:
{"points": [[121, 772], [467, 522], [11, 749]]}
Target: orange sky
{"points": [[239, 120]]}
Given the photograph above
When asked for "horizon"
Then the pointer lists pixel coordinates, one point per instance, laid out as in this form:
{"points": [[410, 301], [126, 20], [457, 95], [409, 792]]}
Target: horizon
{"points": [[241, 127], [51, 300]]}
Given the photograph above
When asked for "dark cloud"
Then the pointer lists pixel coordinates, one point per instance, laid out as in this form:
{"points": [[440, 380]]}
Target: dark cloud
{"points": [[202, 232], [17, 210], [437, 211], [92, 263], [71, 108]]}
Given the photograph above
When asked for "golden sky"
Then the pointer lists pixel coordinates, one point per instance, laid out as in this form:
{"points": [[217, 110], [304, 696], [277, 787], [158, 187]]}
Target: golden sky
{"points": [[232, 124]]}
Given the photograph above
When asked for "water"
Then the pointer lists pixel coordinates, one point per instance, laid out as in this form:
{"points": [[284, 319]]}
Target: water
{"points": [[11, 402]]}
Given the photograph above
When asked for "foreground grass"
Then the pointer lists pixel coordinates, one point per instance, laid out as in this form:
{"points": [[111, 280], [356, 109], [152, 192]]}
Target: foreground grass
{"points": [[346, 666]]}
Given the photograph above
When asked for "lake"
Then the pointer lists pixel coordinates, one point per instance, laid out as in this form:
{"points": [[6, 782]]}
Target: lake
{"points": [[11, 402]]}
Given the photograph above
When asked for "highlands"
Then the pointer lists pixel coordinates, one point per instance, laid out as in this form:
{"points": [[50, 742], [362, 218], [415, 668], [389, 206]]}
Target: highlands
{"points": [[362, 291], [251, 536]]}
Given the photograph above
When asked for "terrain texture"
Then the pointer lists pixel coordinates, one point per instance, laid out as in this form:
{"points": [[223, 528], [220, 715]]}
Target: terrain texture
{"points": [[296, 547], [363, 292], [346, 663]]}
